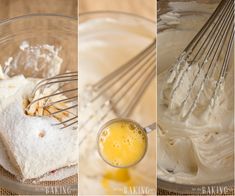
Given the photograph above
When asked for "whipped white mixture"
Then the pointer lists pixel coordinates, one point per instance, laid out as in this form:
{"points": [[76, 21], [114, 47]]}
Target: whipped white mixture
{"points": [[104, 45], [200, 149], [31, 148]]}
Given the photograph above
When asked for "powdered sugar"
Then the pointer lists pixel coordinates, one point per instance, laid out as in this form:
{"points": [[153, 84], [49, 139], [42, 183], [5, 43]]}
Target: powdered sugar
{"points": [[34, 61], [26, 152]]}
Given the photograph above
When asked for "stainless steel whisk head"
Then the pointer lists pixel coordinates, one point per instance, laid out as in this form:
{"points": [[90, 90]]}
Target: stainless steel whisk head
{"points": [[56, 97], [120, 91], [209, 53]]}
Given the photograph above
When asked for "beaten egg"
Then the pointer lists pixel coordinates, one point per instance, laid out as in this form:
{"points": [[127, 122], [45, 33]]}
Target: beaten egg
{"points": [[122, 143]]}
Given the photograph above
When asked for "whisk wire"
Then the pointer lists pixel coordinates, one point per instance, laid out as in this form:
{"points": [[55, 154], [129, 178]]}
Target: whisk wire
{"points": [[120, 91], [58, 97], [223, 71], [194, 42], [204, 51], [215, 57], [127, 66]]}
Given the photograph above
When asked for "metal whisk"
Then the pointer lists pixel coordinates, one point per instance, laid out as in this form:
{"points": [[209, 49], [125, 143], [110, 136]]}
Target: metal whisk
{"points": [[208, 53], [57, 97], [120, 91]]}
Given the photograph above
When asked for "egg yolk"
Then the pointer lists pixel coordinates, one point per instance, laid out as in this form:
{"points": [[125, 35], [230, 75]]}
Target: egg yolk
{"points": [[117, 175], [122, 143]]}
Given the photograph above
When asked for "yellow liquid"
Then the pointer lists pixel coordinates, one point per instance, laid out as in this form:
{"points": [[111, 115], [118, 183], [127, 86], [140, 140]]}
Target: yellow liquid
{"points": [[122, 143], [119, 175]]}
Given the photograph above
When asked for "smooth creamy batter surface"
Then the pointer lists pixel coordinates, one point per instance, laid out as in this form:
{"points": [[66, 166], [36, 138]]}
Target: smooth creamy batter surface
{"points": [[104, 45], [199, 150]]}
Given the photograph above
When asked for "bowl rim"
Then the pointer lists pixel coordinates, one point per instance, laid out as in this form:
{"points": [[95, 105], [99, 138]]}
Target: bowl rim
{"points": [[115, 12], [190, 188], [26, 16]]}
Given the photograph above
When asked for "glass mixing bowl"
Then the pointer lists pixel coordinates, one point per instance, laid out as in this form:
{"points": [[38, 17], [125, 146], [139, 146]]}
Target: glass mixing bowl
{"points": [[39, 29], [139, 22], [163, 7]]}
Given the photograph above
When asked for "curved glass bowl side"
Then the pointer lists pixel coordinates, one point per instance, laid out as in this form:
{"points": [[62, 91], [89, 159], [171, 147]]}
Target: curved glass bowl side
{"points": [[38, 29], [163, 8], [139, 22], [59, 31]]}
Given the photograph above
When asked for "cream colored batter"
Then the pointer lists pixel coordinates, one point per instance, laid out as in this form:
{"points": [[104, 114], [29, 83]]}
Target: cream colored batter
{"points": [[199, 150]]}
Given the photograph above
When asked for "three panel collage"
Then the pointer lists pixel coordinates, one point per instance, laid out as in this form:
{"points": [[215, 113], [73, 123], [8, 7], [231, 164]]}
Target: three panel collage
{"points": [[117, 97]]}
